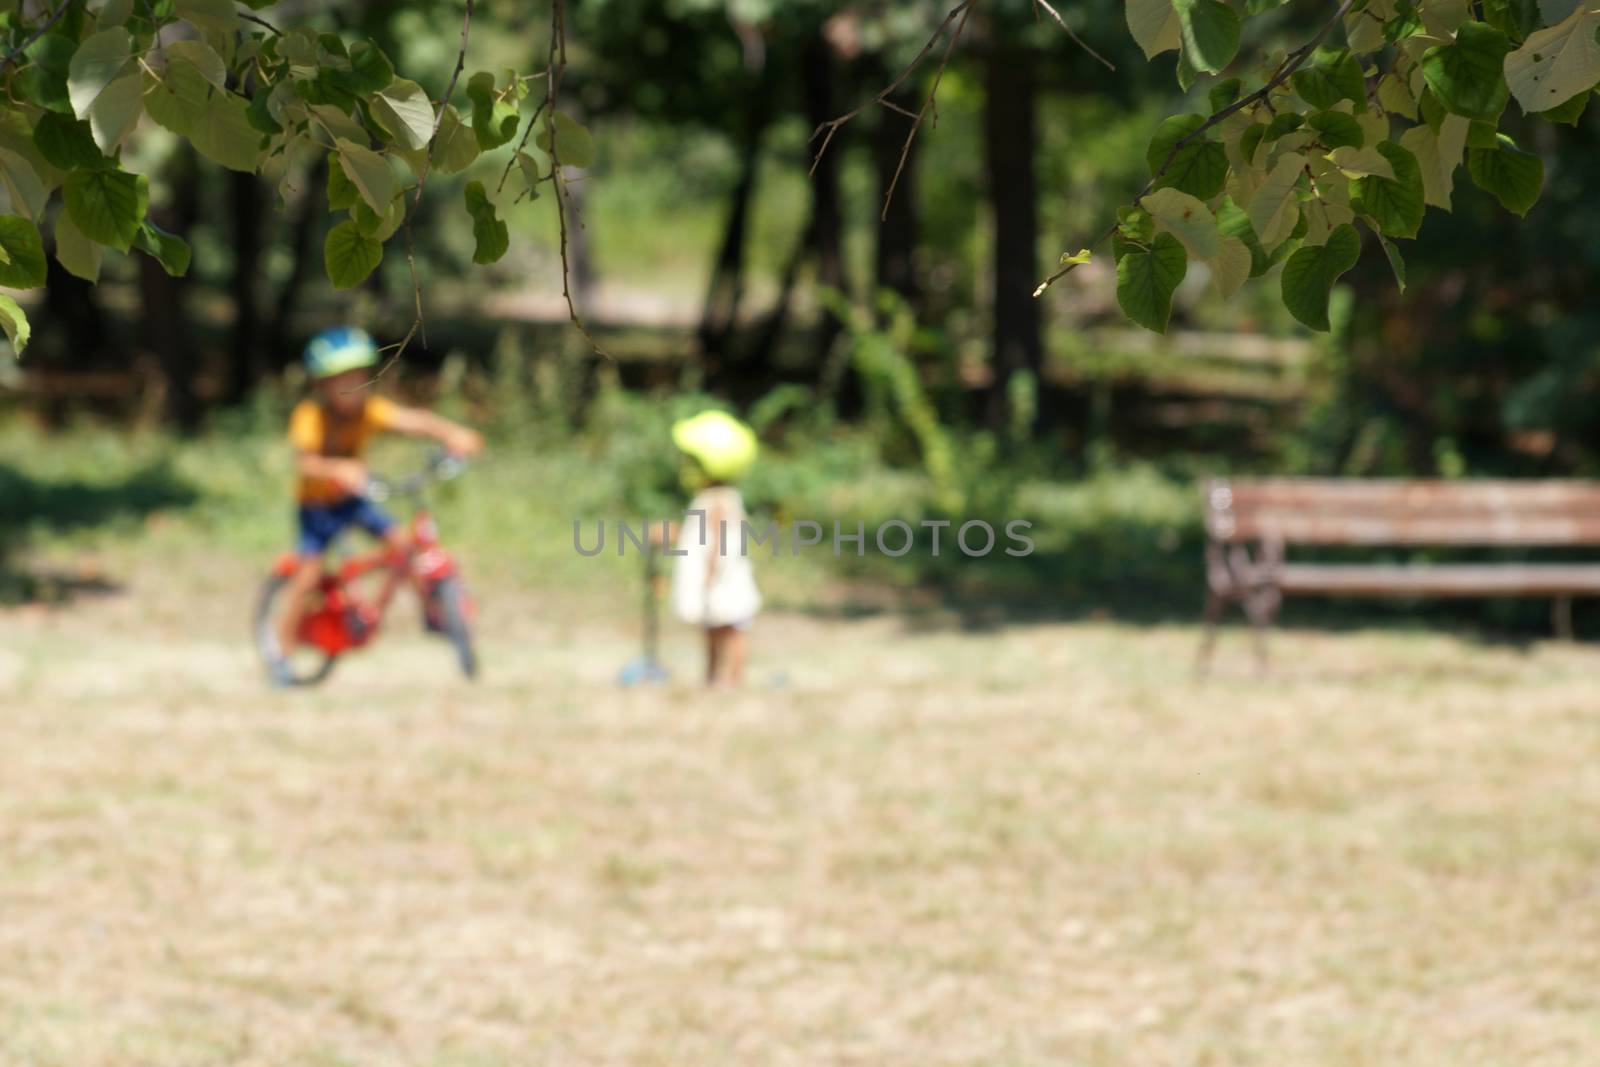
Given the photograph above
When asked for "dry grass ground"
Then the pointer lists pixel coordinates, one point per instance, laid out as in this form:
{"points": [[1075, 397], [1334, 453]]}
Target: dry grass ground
{"points": [[1038, 845]]}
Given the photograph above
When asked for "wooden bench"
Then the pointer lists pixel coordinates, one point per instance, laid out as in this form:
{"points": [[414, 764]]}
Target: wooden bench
{"points": [[1250, 524]]}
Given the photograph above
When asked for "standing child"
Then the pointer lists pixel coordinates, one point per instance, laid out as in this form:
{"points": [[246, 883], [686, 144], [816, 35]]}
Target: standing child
{"points": [[329, 431], [713, 584]]}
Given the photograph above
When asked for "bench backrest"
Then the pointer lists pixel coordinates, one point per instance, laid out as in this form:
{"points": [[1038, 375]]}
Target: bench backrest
{"points": [[1317, 511]]}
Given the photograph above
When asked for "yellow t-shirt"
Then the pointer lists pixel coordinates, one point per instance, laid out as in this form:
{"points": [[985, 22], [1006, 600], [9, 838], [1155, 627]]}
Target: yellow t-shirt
{"points": [[313, 429]]}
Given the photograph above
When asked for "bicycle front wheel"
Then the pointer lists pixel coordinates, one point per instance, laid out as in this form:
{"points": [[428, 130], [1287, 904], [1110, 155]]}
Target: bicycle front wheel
{"points": [[307, 666], [453, 617]]}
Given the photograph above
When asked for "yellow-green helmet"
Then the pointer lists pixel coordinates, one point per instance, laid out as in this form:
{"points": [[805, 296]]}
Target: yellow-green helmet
{"points": [[724, 447]]}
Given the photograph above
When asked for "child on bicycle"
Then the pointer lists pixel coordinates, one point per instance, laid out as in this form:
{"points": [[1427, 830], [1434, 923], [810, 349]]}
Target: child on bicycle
{"points": [[329, 431], [713, 583]]}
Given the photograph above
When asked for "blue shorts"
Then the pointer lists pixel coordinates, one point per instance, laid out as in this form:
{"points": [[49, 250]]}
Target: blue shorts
{"points": [[321, 524]]}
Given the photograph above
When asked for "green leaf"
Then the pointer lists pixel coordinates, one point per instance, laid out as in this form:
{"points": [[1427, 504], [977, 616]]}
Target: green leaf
{"points": [[1282, 125], [406, 111], [99, 60], [370, 69], [1186, 72], [379, 227], [224, 134], [1557, 63], [1209, 30], [75, 252], [15, 323], [105, 87], [350, 255], [1154, 26], [1200, 167], [1274, 210], [1482, 135], [342, 193], [24, 190], [1568, 113], [337, 123], [369, 173], [1232, 221], [456, 146], [1406, 23], [203, 58], [1335, 129], [1224, 93], [1135, 224], [178, 98], [1439, 153], [494, 119], [170, 250], [66, 142], [1186, 218], [1513, 176], [534, 168], [23, 265], [1331, 75], [1395, 204], [216, 15], [1467, 75], [260, 113], [489, 231], [574, 147], [1397, 262], [1309, 275], [1230, 267], [1395, 96], [44, 79], [1147, 276], [107, 205], [1361, 162]]}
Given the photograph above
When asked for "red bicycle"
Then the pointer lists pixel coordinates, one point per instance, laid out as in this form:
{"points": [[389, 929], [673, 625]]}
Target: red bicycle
{"points": [[339, 618]]}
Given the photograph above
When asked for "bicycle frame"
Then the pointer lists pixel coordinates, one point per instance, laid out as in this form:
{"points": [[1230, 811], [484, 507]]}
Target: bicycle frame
{"points": [[344, 620]]}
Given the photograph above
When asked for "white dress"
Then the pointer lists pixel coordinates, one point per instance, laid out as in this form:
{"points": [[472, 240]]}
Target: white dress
{"points": [[732, 598]]}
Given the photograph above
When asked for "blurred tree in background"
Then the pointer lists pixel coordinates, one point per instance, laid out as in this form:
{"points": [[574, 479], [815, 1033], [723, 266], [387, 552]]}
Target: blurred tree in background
{"points": [[711, 246]]}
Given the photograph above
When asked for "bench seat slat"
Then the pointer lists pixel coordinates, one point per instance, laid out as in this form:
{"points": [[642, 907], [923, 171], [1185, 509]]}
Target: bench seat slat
{"points": [[1314, 528], [1441, 580], [1491, 495]]}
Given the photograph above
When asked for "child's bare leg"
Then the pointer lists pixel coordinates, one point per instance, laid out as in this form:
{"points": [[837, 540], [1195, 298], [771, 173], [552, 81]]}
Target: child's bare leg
{"points": [[294, 601], [725, 655], [714, 641], [734, 651]]}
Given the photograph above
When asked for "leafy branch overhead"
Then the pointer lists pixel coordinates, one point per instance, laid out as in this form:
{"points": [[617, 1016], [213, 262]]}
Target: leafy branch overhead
{"points": [[81, 77], [1365, 123]]}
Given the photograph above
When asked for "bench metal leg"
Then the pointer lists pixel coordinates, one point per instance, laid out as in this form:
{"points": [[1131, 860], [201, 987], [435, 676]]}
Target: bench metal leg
{"points": [[1216, 603], [1261, 606]]}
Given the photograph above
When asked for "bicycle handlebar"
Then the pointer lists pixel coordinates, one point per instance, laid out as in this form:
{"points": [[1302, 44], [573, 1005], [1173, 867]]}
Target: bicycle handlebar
{"points": [[441, 466]]}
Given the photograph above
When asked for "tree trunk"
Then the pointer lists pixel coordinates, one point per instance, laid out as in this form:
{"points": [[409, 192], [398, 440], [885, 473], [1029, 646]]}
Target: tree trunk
{"points": [[245, 365], [302, 232], [726, 288], [1009, 88], [822, 240], [166, 330]]}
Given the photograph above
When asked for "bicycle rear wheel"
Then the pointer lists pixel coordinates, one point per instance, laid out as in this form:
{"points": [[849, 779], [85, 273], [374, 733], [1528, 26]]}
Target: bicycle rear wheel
{"points": [[307, 666], [452, 615]]}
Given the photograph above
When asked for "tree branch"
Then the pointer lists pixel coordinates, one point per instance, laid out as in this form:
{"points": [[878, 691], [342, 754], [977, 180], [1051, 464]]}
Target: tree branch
{"points": [[39, 31], [1079, 41], [418, 323], [259, 21], [1291, 63]]}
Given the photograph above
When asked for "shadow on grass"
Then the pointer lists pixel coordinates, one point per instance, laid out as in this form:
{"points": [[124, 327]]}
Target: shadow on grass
{"points": [[31, 506], [1129, 574]]}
